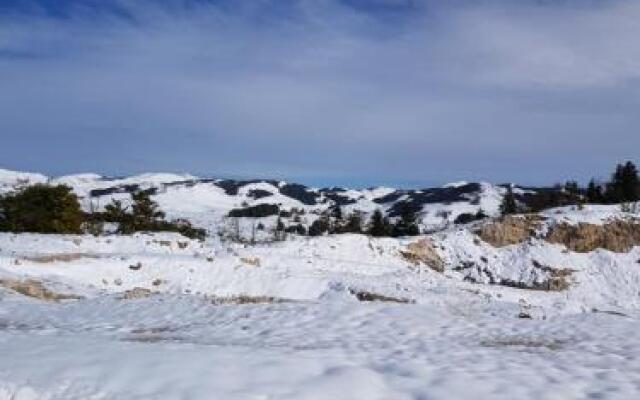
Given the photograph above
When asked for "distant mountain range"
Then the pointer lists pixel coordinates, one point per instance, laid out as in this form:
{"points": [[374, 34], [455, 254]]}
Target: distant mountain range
{"points": [[205, 201]]}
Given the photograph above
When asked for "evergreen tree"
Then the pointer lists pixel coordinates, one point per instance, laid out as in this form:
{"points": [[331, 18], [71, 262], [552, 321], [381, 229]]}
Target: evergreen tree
{"points": [[407, 224], [336, 213], [624, 185], [572, 188], [146, 212], [594, 192], [144, 216], [509, 204], [379, 225], [41, 209], [319, 227], [354, 223], [116, 212], [337, 221], [279, 232]]}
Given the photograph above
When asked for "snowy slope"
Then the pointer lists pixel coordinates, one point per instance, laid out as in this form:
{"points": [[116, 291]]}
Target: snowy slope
{"points": [[159, 316], [9, 180], [321, 343], [207, 201]]}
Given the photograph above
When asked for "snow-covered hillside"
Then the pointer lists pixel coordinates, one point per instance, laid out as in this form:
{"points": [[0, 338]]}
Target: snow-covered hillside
{"points": [[526, 307], [206, 202]]}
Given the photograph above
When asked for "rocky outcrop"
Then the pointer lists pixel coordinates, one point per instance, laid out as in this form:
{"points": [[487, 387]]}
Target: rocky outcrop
{"points": [[510, 230], [423, 252], [619, 236]]}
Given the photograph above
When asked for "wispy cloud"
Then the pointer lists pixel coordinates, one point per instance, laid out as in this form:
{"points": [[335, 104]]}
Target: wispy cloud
{"points": [[323, 90]]}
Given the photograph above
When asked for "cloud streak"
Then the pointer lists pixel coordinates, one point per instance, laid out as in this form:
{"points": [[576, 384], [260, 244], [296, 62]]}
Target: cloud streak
{"points": [[324, 91]]}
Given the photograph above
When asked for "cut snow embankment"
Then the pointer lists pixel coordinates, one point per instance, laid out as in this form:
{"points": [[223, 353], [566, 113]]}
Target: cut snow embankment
{"points": [[301, 269]]}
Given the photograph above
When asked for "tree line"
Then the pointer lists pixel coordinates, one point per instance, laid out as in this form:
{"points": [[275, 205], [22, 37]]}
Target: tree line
{"points": [[43, 208], [623, 187], [46, 208]]}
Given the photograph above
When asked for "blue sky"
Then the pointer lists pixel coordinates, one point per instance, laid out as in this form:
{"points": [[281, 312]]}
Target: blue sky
{"points": [[397, 92]]}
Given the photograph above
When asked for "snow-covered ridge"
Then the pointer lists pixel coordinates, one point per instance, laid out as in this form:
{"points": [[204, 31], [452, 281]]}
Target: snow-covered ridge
{"points": [[12, 179], [207, 201]]}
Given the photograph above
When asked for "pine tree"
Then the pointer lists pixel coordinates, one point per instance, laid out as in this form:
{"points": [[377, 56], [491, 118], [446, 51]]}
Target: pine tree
{"points": [[336, 213], [624, 185], [594, 192], [407, 223], [320, 226], [146, 212], [509, 205], [337, 221], [279, 231], [354, 223], [144, 216], [572, 188], [630, 182], [379, 225], [42, 209]]}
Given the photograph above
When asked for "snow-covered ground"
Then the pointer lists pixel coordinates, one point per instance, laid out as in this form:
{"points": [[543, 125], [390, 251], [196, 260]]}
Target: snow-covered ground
{"points": [[176, 347], [159, 316], [283, 320]]}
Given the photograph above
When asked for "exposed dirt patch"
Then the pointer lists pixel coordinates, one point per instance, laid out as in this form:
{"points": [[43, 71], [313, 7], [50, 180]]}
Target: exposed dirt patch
{"points": [[59, 257], [136, 293], [243, 299], [152, 338], [423, 252], [153, 330], [35, 289], [549, 344], [509, 230], [619, 236], [255, 261]]}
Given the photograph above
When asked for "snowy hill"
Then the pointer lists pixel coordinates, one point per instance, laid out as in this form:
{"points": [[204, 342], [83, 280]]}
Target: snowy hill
{"points": [[207, 201], [524, 307]]}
